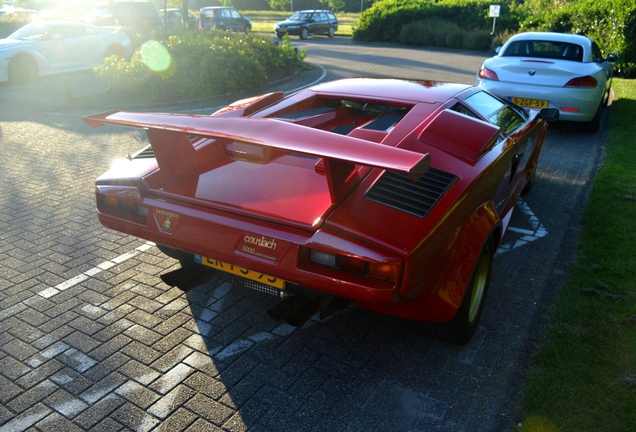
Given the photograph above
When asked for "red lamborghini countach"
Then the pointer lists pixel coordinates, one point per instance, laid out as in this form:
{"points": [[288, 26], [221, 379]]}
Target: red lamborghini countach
{"points": [[393, 194]]}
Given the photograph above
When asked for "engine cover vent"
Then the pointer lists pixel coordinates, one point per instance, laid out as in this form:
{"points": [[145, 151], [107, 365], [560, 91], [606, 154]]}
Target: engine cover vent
{"points": [[396, 190]]}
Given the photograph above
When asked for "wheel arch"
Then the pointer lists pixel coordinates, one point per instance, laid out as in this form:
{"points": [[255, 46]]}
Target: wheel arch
{"points": [[442, 303], [445, 301], [21, 59], [115, 49]]}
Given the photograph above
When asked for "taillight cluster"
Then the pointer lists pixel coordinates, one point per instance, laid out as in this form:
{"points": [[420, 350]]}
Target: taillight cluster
{"points": [[486, 73], [586, 81], [123, 202], [355, 265]]}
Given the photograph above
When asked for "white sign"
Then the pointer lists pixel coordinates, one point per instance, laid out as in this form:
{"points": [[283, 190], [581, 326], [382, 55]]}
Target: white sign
{"points": [[494, 11]]}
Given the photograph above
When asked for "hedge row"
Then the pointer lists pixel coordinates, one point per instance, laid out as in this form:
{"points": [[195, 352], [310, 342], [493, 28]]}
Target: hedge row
{"points": [[8, 26], [611, 23], [197, 64], [384, 20], [444, 34]]}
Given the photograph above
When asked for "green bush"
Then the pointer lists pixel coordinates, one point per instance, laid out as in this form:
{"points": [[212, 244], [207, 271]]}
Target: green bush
{"points": [[196, 64], [384, 20], [9, 25], [443, 34], [611, 23]]}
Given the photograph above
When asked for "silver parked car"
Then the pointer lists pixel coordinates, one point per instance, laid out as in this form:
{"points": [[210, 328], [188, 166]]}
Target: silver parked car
{"points": [[555, 70], [50, 47]]}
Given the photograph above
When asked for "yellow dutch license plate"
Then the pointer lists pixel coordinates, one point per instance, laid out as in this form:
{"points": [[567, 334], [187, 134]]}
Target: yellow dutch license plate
{"points": [[531, 103], [243, 272]]}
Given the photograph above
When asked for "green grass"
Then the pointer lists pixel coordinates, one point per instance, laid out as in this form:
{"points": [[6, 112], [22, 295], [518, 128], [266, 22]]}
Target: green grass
{"points": [[584, 376]]}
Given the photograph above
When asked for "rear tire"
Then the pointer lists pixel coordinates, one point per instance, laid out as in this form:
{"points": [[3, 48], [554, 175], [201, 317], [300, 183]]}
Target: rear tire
{"points": [[595, 124], [114, 51], [22, 69], [331, 32], [462, 327]]}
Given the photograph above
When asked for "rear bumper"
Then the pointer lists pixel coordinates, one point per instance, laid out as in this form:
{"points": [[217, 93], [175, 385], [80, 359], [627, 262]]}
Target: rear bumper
{"points": [[585, 100], [222, 238]]}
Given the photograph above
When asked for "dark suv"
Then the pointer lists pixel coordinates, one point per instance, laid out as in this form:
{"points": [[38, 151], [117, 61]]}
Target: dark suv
{"points": [[223, 18], [308, 22]]}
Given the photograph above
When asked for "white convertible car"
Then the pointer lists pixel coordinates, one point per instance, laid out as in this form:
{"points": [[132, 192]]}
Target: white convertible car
{"points": [[555, 70], [49, 47]]}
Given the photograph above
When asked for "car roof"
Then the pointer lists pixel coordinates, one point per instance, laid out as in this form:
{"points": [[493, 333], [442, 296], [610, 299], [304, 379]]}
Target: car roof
{"points": [[553, 36], [392, 89], [61, 22]]}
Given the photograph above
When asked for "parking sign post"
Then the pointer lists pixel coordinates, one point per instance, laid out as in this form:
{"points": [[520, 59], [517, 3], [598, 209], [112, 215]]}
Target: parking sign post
{"points": [[494, 13]]}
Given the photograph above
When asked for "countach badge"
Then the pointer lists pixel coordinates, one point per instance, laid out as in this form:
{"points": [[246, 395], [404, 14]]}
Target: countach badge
{"points": [[261, 246]]}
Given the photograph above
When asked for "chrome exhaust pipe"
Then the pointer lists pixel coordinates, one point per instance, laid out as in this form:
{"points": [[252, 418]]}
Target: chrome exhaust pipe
{"points": [[295, 310]]}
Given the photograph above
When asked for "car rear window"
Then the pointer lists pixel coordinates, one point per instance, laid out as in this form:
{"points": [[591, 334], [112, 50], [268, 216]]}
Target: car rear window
{"points": [[544, 49]]}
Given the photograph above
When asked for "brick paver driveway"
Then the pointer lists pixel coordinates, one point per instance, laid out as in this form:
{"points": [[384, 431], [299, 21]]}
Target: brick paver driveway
{"points": [[91, 339]]}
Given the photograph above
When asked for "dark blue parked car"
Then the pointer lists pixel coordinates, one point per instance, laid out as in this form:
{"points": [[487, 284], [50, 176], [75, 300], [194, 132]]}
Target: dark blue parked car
{"points": [[308, 22]]}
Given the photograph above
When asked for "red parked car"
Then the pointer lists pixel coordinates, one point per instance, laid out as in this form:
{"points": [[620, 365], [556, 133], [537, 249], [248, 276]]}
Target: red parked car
{"points": [[390, 193]]}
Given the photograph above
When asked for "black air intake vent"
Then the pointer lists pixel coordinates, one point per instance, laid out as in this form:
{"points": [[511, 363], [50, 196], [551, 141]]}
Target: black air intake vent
{"points": [[145, 153], [396, 190]]}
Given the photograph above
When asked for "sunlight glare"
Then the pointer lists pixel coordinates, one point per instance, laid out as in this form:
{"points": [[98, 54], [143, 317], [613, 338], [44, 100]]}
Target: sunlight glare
{"points": [[155, 56]]}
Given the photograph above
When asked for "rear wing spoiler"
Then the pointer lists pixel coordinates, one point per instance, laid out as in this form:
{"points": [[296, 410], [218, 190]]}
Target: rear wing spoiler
{"points": [[168, 136]]}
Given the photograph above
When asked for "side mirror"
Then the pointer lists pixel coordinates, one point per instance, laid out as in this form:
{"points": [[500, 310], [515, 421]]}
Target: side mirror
{"points": [[549, 114], [498, 49], [613, 58]]}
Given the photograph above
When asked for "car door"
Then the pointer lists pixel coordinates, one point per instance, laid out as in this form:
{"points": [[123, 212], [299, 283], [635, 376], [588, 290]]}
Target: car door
{"points": [[518, 148], [320, 24], [227, 19], [606, 67], [81, 46], [59, 46], [236, 20]]}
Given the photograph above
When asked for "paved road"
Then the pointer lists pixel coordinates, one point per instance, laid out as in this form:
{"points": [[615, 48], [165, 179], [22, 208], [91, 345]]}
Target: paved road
{"points": [[91, 339]]}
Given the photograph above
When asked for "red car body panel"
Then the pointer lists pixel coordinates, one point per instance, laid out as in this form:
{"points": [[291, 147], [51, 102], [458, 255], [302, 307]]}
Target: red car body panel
{"points": [[393, 174]]}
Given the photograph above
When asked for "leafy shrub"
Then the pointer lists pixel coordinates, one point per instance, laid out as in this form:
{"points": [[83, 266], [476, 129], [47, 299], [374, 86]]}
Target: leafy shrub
{"points": [[384, 20], [9, 25], [196, 64], [479, 41], [611, 23], [443, 34]]}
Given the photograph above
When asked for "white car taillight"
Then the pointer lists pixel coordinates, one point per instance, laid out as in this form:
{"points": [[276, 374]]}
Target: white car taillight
{"points": [[586, 81], [486, 73]]}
